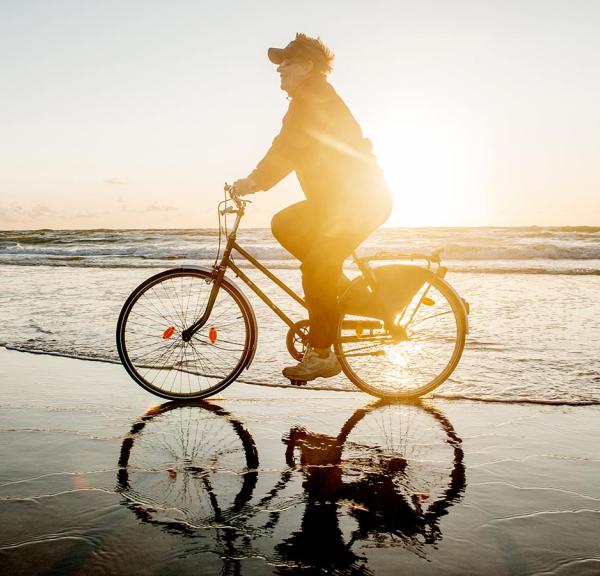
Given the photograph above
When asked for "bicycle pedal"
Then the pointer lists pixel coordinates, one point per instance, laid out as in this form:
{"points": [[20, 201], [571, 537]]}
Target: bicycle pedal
{"points": [[298, 382]]}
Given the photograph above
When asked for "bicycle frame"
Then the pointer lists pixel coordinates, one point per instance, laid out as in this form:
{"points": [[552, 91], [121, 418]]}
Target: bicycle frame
{"points": [[227, 262]]}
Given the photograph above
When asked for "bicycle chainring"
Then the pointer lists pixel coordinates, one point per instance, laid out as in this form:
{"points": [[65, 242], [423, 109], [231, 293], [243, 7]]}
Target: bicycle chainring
{"points": [[295, 344]]}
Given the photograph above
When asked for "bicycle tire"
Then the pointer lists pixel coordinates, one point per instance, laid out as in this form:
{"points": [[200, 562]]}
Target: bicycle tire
{"points": [[361, 357], [149, 335]]}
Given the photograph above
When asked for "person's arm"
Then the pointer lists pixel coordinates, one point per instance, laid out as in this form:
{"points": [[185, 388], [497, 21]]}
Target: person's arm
{"points": [[282, 156]]}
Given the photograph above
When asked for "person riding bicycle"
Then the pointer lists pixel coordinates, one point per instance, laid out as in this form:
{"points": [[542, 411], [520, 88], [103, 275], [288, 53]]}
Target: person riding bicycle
{"points": [[346, 195]]}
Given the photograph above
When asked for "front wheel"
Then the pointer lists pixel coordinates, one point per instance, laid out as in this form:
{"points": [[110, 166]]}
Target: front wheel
{"points": [[411, 350], [151, 324]]}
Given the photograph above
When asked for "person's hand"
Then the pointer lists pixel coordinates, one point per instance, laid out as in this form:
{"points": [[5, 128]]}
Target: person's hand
{"points": [[245, 186]]}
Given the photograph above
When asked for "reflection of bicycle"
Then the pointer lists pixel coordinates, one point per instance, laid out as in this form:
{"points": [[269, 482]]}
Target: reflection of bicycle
{"points": [[189, 332], [391, 473]]}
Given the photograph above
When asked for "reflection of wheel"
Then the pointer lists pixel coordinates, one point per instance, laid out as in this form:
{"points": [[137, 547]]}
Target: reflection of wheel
{"points": [[188, 465], [414, 449], [411, 343], [396, 467], [150, 327], [295, 344]]}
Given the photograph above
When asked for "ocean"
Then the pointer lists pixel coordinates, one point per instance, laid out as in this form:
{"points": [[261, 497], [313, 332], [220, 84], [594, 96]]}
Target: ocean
{"points": [[534, 294]]}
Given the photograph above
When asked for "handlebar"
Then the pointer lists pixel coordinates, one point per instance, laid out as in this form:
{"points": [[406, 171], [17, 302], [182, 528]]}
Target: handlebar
{"points": [[230, 189], [235, 198], [225, 207]]}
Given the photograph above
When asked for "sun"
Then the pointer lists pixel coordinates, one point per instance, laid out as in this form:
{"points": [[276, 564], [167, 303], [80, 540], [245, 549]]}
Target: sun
{"points": [[429, 169]]}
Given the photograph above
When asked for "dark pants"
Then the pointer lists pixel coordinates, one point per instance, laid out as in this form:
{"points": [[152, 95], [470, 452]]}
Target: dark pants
{"points": [[322, 237]]}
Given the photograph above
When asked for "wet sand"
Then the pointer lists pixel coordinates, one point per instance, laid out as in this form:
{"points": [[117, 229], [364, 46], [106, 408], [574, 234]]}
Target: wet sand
{"points": [[98, 478]]}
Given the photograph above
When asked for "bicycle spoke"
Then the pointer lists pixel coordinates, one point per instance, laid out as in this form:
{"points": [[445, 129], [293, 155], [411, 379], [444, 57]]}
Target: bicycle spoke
{"points": [[404, 366], [153, 329]]}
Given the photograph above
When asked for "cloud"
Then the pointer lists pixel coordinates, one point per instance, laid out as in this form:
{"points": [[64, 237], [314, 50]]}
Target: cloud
{"points": [[35, 211], [17, 212], [28, 215], [157, 208], [116, 182], [89, 213]]}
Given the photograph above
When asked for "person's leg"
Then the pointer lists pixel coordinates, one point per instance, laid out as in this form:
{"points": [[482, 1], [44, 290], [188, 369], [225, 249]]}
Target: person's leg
{"points": [[293, 227], [322, 237], [322, 268], [343, 229]]}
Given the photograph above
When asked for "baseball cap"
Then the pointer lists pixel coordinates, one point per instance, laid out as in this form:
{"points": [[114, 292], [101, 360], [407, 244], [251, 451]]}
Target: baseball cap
{"points": [[304, 48]]}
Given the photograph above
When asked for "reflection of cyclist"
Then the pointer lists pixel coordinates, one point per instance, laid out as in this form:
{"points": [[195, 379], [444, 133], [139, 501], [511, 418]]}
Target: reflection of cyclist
{"points": [[346, 195], [394, 470], [371, 489]]}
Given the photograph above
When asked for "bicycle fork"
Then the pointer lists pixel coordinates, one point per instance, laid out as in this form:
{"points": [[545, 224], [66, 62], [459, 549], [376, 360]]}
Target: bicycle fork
{"points": [[188, 333]]}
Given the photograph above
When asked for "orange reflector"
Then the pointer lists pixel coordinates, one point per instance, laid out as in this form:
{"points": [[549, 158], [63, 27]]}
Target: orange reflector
{"points": [[359, 329], [168, 332], [153, 411], [428, 301], [212, 334]]}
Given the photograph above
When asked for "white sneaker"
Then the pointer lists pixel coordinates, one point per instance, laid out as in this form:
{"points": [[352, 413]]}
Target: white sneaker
{"points": [[313, 366]]}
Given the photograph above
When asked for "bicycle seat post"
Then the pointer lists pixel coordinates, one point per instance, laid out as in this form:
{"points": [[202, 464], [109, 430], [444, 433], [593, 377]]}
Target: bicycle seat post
{"points": [[365, 269]]}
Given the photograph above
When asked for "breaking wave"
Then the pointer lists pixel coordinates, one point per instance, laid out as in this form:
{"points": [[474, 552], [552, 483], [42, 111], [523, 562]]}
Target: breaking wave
{"points": [[561, 250]]}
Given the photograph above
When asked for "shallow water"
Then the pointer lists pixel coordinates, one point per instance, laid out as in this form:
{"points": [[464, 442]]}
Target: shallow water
{"points": [[534, 333]]}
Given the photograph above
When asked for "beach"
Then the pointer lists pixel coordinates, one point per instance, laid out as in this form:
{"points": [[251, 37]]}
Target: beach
{"points": [[397, 202], [97, 478]]}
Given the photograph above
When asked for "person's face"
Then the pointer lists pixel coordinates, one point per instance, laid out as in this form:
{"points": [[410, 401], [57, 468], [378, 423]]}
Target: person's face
{"points": [[292, 73]]}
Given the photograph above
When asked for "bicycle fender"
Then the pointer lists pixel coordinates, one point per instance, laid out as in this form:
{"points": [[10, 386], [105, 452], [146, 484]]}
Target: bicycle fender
{"points": [[395, 286]]}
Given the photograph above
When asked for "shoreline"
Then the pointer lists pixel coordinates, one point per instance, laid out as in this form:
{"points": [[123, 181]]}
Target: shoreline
{"points": [[432, 396]]}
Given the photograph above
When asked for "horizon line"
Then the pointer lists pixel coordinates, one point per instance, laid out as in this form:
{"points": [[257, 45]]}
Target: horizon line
{"points": [[101, 229]]}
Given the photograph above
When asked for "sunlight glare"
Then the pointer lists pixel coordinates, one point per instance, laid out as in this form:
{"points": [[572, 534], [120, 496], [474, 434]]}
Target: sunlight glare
{"points": [[429, 168]]}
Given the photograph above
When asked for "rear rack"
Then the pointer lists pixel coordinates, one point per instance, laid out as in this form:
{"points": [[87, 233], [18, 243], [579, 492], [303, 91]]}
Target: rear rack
{"points": [[433, 258]]}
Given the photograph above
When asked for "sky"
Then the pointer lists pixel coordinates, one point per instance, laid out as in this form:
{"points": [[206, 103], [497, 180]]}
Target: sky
{"points": [[133, 113]]}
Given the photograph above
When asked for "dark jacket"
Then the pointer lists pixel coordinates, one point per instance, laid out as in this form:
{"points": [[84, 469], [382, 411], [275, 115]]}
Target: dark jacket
{"points": [[322, 142]]}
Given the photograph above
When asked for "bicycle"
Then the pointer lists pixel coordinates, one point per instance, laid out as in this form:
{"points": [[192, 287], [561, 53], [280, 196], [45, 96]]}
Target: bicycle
{"points": [[189, 332]]}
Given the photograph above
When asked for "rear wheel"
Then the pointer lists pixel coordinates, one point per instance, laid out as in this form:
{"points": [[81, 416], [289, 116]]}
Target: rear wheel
{"points": [[410, 353], [150, 328]]}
